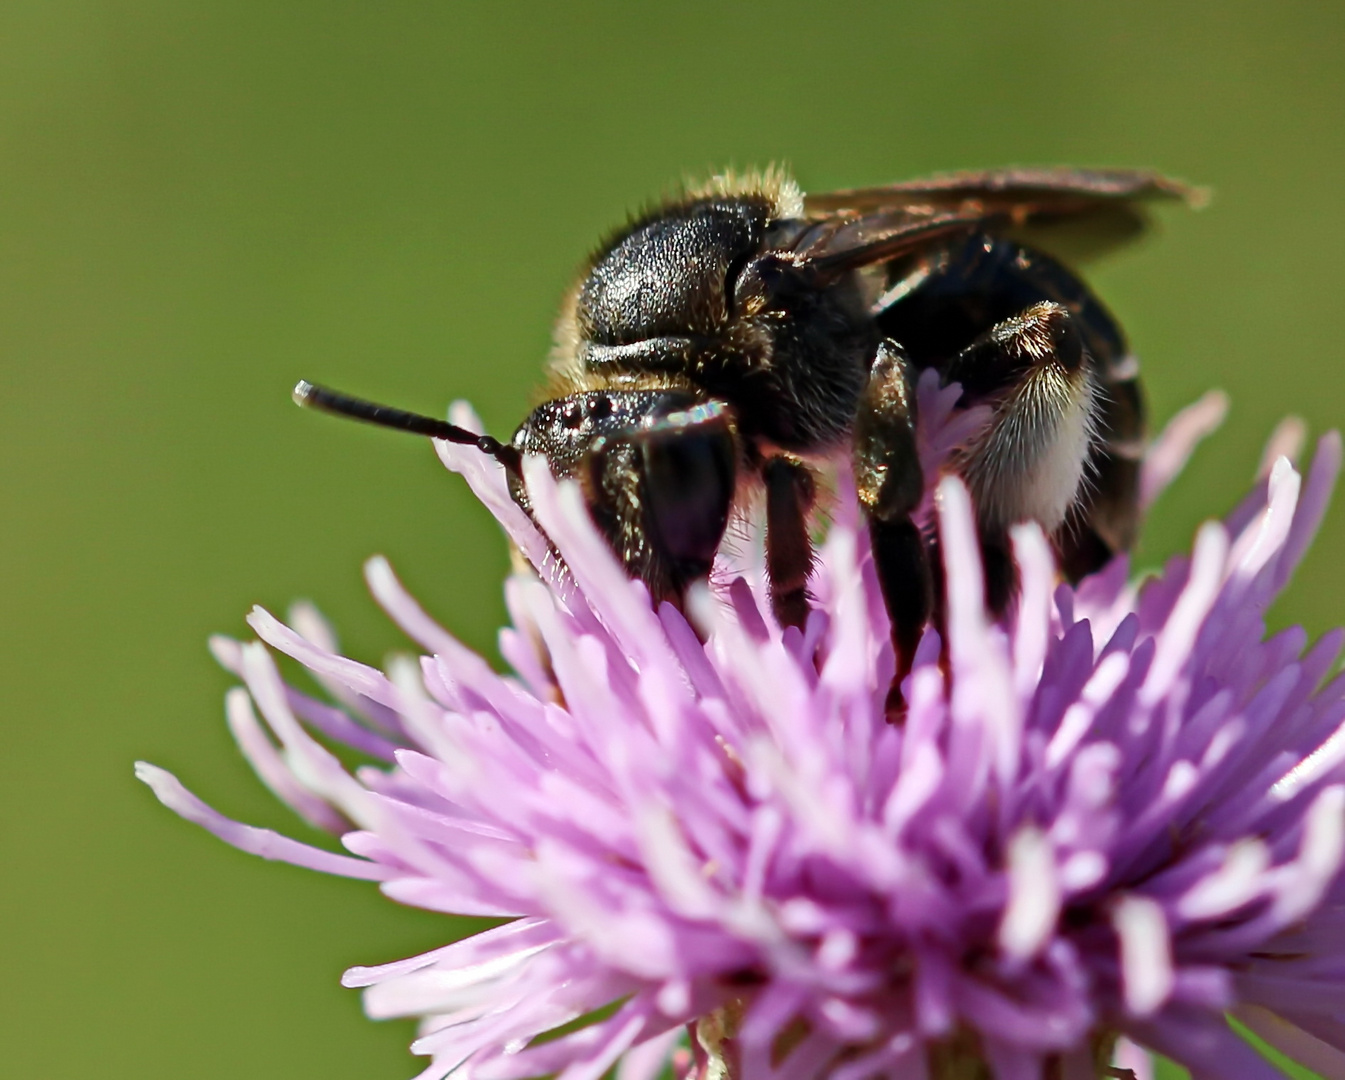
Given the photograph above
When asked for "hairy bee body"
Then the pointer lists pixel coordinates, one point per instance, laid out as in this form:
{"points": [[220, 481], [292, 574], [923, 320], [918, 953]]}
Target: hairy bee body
{"points": [[743, 332]]}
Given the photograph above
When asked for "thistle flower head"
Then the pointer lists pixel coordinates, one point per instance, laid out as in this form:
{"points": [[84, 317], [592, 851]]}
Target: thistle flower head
{"points": [[1107, 820]]}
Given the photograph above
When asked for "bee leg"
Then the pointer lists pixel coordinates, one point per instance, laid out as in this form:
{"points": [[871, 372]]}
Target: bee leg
{"points": [[790, 490], [939, 303], [889, 483], [1031, 461], [1108, 517]]}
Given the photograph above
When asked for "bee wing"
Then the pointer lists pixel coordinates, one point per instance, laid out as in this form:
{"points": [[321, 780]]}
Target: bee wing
{"points": [[1016, 191], [1085, 211]]}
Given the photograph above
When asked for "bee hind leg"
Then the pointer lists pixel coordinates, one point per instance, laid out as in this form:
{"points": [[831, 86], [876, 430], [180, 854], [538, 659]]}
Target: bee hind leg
{"points": [[1108, 515], [889, 483], [1033, 461]]}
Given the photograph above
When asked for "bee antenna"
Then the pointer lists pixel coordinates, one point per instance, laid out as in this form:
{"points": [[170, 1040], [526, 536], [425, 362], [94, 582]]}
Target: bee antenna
{"points": [[309, 396]]}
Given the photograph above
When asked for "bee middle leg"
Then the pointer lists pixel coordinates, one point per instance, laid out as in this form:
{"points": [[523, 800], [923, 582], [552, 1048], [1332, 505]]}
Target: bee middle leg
{"points": [[889, 482], [790, 491]]}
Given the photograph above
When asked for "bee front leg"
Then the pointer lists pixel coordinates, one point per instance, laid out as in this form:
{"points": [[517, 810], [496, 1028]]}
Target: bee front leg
{"points": [[889, 483], [1031, 462]]}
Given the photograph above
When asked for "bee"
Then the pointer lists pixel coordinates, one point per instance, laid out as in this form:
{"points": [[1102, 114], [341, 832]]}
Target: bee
{"points": [[743, 334]]}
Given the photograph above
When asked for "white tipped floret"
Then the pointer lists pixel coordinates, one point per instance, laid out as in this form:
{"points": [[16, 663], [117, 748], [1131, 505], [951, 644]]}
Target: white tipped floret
{"points": [[1147, 975]]}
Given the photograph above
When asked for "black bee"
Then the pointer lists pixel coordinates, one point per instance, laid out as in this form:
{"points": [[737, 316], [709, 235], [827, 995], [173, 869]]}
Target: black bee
{"points": [[746, 333]]}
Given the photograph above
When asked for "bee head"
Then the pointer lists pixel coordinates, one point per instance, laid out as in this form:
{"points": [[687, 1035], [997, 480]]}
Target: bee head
{"points": [[657, 468]]}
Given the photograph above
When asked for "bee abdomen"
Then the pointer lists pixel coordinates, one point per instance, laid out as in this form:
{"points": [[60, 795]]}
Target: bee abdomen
{"points": [[962, 293]]}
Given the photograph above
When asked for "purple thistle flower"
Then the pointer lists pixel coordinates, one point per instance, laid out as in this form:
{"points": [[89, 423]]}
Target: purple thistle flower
{"points": [[1107, 821]]}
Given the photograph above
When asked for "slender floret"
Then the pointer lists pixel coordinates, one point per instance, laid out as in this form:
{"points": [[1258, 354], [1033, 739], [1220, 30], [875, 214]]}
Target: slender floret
{"points": [[1107, 821]]}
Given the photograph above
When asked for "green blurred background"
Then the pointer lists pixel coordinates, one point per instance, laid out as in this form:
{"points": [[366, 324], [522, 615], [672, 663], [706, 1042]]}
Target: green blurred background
{"points": [[201, 202]]}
